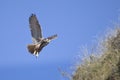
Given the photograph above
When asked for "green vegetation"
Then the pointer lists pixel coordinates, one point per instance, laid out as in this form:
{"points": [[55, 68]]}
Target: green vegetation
{"points": [[105, 66]]}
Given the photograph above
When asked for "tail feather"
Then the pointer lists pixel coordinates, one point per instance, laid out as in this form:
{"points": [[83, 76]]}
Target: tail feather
{"points": [[31, 48]]}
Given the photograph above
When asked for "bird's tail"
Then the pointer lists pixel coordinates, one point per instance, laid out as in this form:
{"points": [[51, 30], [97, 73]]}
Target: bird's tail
{"points": [[52, 37], [31, 48]]}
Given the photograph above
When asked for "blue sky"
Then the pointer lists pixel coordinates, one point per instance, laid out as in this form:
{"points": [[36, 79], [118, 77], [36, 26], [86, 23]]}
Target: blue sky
{"points": [[76, 22]]}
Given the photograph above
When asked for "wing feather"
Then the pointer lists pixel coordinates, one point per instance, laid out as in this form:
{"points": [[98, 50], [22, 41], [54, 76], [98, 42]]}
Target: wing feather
{"points": [[52, 37], [35, 28]]}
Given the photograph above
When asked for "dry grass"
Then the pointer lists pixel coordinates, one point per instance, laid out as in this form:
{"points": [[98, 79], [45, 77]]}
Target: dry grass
{"points": [[105, 66]]}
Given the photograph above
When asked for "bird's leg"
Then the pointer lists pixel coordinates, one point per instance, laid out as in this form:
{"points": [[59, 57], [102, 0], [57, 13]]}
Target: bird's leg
{"points": [[34, 52]]}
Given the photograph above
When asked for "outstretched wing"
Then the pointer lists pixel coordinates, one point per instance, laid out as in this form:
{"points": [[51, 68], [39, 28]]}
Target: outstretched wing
{"points": [[35, 27], [52, 37]]}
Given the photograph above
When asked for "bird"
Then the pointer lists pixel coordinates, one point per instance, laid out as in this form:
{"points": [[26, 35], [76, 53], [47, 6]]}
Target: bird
{"points": [[39, 42]]}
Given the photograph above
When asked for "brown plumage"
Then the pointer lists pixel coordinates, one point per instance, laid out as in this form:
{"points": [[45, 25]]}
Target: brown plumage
{"points": [[38, 41]]}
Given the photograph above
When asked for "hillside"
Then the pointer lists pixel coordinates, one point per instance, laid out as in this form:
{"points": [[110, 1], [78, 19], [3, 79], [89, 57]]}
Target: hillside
{"points": [[105, 66]]}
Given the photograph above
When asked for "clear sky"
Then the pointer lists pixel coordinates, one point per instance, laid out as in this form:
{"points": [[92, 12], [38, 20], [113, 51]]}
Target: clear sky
{"points": [[77, 23]]}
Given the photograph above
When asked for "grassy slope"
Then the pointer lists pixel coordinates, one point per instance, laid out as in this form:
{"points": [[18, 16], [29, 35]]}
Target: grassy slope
{"points": [[106, 66]]}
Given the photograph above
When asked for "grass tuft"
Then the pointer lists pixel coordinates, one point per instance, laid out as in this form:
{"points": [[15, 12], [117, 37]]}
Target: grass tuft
{"points": [[105, 66]]}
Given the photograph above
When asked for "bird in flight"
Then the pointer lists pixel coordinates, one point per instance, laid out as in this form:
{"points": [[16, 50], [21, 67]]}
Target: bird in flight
{"points": [[38, 41]]}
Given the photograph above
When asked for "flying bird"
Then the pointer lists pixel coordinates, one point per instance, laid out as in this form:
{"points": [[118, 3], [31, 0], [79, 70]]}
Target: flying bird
{"points": [[38, 41]]}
